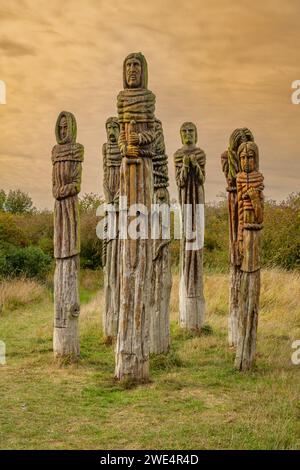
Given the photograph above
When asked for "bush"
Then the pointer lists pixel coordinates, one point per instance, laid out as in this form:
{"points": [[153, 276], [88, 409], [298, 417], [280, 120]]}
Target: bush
{"points": [[30, 262]]}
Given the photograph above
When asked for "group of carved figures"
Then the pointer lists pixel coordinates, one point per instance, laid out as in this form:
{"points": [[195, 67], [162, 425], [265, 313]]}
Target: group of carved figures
{"points": [[138, 269]]}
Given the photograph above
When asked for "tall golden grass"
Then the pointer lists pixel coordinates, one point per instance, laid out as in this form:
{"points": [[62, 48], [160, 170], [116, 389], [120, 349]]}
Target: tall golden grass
{"points": [[17, 292]]}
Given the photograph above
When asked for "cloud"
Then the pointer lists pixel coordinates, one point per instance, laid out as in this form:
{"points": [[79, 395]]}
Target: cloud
{"points": [[15, 49], [221, 64]]}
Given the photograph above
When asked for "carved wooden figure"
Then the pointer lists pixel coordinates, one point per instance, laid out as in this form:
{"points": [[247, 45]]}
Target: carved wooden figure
{"points": [[230, 166], [111, 184], [161, 275], [136, 106], [250, 210], [190, 176], [67, 158]]}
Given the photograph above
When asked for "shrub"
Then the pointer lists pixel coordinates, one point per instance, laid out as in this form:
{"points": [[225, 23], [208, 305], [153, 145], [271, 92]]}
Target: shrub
{"points": [[30, 262]]}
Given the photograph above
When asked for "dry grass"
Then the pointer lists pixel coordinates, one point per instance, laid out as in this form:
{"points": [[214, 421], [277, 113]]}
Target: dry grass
{"points": [[195, 400], [18, 292]]}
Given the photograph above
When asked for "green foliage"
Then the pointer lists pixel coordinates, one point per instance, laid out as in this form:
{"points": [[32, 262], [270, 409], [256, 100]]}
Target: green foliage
{"points": [[30, 262], [280, 236], [91, 245], [18, 202], [2, 199], [89, 202], [10, 232]]}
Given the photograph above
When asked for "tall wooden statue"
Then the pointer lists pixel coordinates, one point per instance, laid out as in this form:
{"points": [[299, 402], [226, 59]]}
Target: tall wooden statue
{"points": [[250, 209], [111, 184], [136, 106], [230, 166], [161, 276], [67, 158], [190, 176]]}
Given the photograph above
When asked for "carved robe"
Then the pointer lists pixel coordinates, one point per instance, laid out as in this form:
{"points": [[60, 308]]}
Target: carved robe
{"points": [[161, 282], [111, 184], [136, 114], [67, 158], [250, 204], [191, 192]]}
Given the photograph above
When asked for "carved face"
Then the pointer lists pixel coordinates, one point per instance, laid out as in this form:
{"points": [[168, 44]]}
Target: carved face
{"points": [[133, 72], [247, 158], [113, 131], [188, 135], [63, 128]]}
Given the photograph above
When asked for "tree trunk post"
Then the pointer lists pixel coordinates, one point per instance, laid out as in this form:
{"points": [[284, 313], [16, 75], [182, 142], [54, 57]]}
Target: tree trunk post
{"points": [[136, 106], [161, 282], [67, 158], [190, 177], [250, 208], [230, 167], [111, 244]]}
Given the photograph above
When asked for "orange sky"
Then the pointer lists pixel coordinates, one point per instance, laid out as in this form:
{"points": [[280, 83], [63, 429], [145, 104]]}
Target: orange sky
{"points": [[220, 63]]}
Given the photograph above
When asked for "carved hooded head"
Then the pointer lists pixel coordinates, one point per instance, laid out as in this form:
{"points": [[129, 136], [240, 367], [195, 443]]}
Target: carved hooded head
{"points": [[112, 129], [66, 128], [135, 71], [237, 137], [248, 156], [188, 132]]}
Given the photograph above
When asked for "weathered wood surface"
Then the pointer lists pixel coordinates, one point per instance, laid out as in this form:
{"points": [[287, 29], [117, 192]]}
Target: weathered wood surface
{"points": [[161, 282], [190, 177], [111, 260], [136, 106], [230, 167], [250, 209], [234, 295], [67, 307], [67, 157]]}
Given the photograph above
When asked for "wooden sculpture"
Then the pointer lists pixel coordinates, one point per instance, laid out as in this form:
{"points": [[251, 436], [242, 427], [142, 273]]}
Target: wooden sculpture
{"points": [[250, 218], [230, 166], [190, 176], [67, 158], [161, 276], [111, 262], [136, 106]]}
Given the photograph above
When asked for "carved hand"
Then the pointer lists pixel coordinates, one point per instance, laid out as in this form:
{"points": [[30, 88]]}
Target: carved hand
{"points": [[132, 151], [193, 160], [252, 193], [186, 160], [133, 138]]}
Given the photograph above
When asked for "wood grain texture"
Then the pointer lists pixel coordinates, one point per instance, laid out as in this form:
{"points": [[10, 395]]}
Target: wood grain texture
{"points": [[190, 176], [111, 261], [230, 167], [67, 157], [161, 282], [136, 105], [250, 185]]}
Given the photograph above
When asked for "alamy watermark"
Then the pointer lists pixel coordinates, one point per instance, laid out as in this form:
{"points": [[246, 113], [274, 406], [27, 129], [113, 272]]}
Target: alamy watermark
{"points": [[136, 222], [296, 93], [296, 354], [2, 92], [2, 353]]}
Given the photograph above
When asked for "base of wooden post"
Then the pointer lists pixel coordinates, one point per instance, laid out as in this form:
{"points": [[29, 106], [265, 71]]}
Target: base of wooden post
{"points": [[234, 293], [130, 367], [248, 319], [66, 308], [191, 309]]}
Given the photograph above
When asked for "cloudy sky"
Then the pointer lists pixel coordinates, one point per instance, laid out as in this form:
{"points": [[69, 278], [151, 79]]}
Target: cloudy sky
{"points": [[220, 63]]}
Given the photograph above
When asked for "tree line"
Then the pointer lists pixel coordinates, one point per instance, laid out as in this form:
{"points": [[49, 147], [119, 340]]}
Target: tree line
{"points": [[26, 235]]}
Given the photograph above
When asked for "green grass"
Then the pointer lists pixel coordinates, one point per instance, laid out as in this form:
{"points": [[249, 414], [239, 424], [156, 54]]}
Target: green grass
{"points": [[195, 399]]}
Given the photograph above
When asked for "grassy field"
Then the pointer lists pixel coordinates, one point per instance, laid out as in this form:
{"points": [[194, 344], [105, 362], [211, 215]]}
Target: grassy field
{"points": [[196, 400]]}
